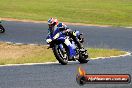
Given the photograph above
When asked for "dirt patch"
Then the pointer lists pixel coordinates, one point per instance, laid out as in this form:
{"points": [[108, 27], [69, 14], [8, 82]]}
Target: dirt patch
{"points": [[13, 51]]}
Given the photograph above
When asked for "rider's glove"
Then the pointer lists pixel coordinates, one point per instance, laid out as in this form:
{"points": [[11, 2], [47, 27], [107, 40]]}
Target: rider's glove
{"points": [[48, 40]]}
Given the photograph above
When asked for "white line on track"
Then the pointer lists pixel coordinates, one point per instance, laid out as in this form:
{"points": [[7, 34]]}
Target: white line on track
{"points": [[128, 27]]}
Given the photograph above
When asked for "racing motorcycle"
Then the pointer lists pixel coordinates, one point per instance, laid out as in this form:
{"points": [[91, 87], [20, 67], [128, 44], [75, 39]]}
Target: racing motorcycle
{"points": [[2, 30], [68, 47]]}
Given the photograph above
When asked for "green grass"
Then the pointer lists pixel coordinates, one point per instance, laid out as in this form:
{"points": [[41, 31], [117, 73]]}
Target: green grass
{"points": [[98, 52], [104, 12], [19, 54]]}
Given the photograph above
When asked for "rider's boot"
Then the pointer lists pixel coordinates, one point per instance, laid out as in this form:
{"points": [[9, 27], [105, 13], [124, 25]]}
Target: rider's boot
{"points": [[81, 38]]}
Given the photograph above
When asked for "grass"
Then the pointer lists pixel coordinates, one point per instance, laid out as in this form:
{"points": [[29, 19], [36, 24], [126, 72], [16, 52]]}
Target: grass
{"points": [[19, 54], [98, 52], [104, 12]]}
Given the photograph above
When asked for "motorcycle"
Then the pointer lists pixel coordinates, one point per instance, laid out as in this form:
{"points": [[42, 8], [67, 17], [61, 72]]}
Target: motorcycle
{"points": [[68, 47], [2, 29]]}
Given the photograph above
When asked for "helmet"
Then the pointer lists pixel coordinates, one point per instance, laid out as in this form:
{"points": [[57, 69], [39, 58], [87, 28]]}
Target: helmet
{"points": [[52, 21], [61, 26]]}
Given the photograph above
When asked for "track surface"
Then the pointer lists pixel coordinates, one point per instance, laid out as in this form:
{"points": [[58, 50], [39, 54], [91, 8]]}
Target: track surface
{"points": [[59, 76]]}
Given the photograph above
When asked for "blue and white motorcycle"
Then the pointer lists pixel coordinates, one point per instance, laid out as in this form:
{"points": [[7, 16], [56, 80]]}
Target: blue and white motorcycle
{"points": [[68, 47]]}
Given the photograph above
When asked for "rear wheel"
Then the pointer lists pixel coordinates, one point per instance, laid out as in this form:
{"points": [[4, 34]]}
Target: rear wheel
{"points": [[2, 30], [61, 54], [83, 55]]}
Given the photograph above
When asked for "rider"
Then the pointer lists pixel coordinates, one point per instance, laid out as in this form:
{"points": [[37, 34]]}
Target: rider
{"points": [[55, 25]]}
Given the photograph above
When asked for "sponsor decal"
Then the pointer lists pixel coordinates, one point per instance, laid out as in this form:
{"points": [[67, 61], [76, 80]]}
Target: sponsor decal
{"points": [[83, 78]]}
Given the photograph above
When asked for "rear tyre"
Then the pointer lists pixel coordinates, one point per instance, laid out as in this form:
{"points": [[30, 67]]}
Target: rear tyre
{"points": [[83, 58], [61, 56], [83, 55]]}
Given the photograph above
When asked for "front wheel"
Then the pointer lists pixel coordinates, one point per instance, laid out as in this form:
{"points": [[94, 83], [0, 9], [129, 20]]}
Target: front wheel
{"points": [[2, 30], [61, 53]]}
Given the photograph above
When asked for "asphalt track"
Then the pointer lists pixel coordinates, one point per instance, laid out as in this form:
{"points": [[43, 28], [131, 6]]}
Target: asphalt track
{"points": [[63, 76]]}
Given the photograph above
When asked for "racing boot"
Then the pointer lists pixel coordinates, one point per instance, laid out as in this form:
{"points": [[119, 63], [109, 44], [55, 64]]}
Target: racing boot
{"points": [[81, 38]]}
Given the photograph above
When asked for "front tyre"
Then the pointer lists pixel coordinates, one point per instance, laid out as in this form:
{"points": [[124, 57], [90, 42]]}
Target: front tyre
{"points": [[61, 55], [2, 30]]}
